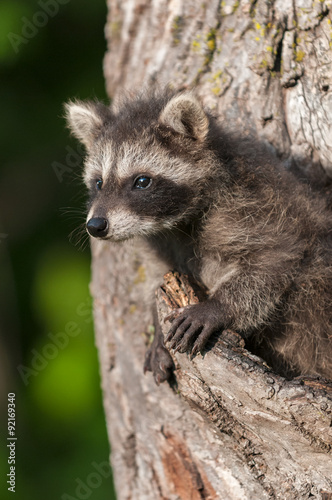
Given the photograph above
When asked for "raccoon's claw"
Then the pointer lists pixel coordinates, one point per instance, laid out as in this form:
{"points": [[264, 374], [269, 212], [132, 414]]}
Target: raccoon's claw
{"points": [[192, 326], [158, 361]]}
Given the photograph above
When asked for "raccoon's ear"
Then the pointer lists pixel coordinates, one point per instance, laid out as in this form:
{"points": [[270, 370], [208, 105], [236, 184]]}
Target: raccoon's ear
{"points": [[85, 120], [184, 114]]}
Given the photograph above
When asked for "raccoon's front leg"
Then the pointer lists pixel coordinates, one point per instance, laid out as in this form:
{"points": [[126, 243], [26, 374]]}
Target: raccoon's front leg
{"points": [[157, 358], [192, 326]]}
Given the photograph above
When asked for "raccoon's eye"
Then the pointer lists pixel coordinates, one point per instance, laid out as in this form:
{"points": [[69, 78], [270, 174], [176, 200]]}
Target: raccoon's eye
{"points": [[99, 184], [142, 182]]}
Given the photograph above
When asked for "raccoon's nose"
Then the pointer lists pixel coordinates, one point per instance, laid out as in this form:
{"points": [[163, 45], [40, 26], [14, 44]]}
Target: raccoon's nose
{"points": [[97, 227]]}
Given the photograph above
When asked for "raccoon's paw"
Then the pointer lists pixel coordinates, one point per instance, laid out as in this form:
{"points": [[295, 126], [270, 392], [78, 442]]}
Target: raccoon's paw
{"points": [[158, 361], [192, 326]]}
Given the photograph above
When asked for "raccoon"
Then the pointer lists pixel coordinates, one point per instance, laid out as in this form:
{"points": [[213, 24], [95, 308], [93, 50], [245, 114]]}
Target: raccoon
{"points": [[221, 209]]}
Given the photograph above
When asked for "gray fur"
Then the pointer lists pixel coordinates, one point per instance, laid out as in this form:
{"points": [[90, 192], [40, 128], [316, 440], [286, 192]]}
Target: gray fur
{"points": [[236, 222]]}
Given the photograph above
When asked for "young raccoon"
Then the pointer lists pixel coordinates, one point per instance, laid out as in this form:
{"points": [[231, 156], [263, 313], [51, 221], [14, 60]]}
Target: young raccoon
{"points": [[221, 210]]}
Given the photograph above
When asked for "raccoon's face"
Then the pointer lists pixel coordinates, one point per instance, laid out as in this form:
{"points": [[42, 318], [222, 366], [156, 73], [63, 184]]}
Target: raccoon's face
{"points": [[137, 185], [130, 195], [118, 224]]}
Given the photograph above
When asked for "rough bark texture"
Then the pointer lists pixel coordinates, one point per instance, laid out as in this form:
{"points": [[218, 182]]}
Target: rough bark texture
{"points": [[229, 428]]}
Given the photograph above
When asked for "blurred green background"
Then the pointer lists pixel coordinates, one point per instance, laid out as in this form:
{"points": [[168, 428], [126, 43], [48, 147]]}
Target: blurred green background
{"points": [[50, 51]]}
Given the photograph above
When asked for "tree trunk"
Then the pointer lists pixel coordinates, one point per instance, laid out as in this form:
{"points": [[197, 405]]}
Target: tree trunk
{"points": [[229, 428]]}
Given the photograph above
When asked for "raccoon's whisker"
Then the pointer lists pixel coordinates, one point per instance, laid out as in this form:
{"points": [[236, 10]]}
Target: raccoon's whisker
{"points": [[84, 242], [79, 197], [79, 236], [73, 213], [74, 216]]}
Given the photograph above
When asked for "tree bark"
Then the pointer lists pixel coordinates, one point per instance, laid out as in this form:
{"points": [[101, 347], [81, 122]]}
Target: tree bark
{"points": [[228, 428]]}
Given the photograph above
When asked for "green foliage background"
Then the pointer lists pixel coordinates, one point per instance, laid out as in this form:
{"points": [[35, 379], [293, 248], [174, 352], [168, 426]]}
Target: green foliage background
{"points": [[60, 423]]}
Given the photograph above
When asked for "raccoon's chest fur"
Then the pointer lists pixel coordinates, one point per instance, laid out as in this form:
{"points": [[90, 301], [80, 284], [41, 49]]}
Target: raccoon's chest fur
{"points": [[178, 250]]}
